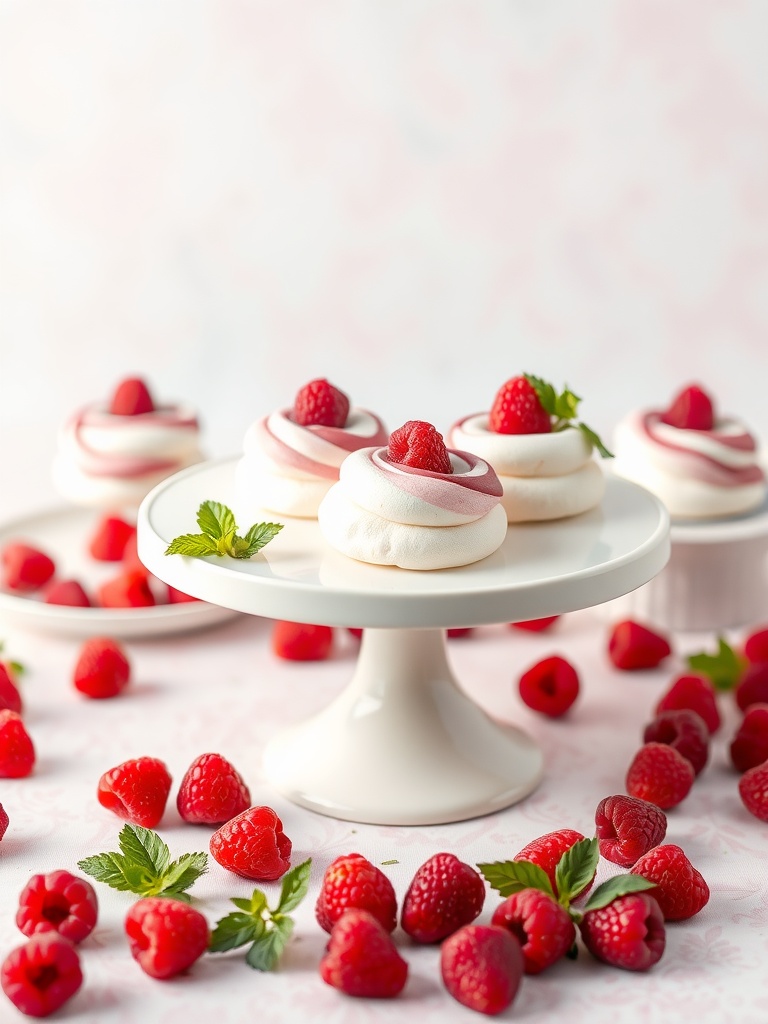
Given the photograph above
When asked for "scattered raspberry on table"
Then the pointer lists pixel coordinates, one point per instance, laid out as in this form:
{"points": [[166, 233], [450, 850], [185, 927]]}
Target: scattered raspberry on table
{"points": [[353, 882], [661, 775], [41, 975], [680, 889], [212, 791], [10, 698], [361, 959], [684, 730], [627, 933], [102, 668], [299, 641], [17, 752], [542, 926], [60, 902], [632, 645], [136, 790], [69, 593], [25, 568], [749, 746], [110, 538], [130, 589], [444, 894], [753, 790], [627, 828], [166, 936], [253, 845], [546, 852], [696, 693], [482, 967], [551, 686]]}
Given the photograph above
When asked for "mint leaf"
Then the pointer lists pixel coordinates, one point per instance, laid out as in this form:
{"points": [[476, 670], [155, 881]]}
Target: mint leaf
{"points": [[563, 408], [268, 930], [195, 544], [259, 535], [215, 520], [294, 888], [265, 952], [576, 869], [219, 536], [594, 440], [512, 876], [17, 669], [143, 866], [724, 669], [110, 868], [144, 849], [619, 885]]}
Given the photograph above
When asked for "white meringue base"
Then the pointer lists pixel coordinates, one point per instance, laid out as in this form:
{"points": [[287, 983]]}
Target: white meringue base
{"points": [[370, 538], [540, 498], [281, 495], [692, 499], [107, 491]]}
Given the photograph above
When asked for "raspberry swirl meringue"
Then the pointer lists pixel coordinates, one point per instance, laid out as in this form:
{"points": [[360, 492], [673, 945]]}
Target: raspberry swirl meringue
{"points": [[288, 468], [544, 475], [698, 474], [388, 513], [107, 459]]}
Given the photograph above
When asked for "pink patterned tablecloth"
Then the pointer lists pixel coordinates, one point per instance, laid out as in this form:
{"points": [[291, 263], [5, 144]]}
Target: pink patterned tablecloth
{"points": [[224, 690]]}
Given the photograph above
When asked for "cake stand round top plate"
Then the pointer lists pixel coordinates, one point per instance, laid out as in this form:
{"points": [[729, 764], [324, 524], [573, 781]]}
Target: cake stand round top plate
{"points": [[540, 569]]}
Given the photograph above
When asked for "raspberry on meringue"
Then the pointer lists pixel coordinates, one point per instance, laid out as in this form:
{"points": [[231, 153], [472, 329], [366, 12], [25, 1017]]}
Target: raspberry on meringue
{"points": [[390, 513], [112, 455], [289, 462], [699, 471]]}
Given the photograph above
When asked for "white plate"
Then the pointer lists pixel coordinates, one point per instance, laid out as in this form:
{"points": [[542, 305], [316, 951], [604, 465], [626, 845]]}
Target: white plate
{"points": [[63, 534]]}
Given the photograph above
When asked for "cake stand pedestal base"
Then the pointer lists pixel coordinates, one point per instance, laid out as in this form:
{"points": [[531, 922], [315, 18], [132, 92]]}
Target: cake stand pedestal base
{"points": [[402, 745]]}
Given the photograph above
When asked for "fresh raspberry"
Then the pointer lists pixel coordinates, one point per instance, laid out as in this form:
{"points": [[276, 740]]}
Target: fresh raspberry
{"points": [[634, 646], [749, 746], [352, 882], [102, 668], [110, 538], [691, 409], [17, 752], [444, 894], [680, 889], [131, 561], [166, 936], [67, 592], [418, 444], [25, 568], [131, 398], [683, 729], [695, 693], [128, 590], [546, 851], [517, 409], [41, 975], [753, 686], [458, 632], [320, 404], [550, 686], [482, 967], [628, 933], [660, 775], [136, 790], [536, 625], [361, 959], [299, 641], [627, 828], [4, 821], [253, 845], [10, 697], [179, 597], [756, 645], [541, 925], [355, 632], [212, 791], [753, 790], [58, 902]]}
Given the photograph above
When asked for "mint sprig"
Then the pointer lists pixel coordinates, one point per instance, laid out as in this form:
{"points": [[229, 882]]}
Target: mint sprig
{"points": [[143, 866], [266, 929], [612, 888], [564, 407], [15, 667], [510, 876], [575, 870], [219, 535], [724, 669]]}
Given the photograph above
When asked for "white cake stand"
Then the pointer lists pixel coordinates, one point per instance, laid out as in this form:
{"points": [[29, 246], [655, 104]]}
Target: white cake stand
{"points": [[403, 745]]}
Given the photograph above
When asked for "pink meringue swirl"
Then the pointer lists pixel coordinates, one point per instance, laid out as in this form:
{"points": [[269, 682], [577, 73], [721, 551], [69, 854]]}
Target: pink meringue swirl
{"points": [[715, 457], [470, 491]]}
